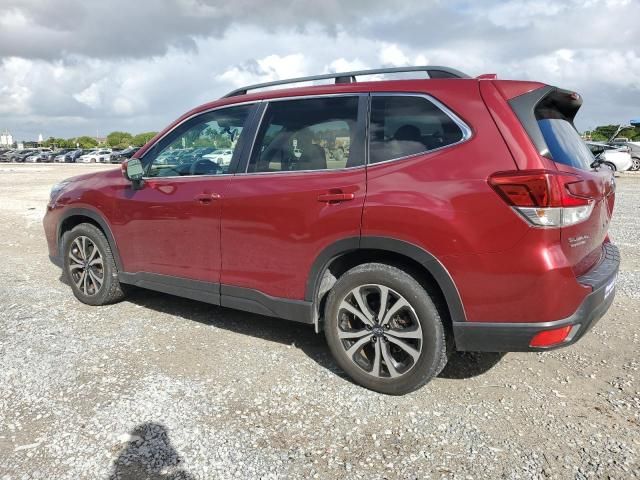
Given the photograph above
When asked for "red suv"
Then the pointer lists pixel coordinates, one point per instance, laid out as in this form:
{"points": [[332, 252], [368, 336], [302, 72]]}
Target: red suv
{"points": [[404, 218]]}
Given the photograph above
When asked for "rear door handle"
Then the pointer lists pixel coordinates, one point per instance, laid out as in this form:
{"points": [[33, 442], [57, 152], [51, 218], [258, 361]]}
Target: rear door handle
{"points": [[206, 197], [336, 197]]}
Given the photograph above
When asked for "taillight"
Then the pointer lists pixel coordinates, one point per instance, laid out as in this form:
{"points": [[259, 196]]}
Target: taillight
{"points": [[544, 198]]}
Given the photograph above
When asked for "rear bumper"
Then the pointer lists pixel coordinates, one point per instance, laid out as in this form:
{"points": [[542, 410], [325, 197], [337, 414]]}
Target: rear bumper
{"points": [[515, 337]]}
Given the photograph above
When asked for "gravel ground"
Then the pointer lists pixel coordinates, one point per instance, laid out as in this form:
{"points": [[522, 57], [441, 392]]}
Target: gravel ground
{"points": [[161, 387]]}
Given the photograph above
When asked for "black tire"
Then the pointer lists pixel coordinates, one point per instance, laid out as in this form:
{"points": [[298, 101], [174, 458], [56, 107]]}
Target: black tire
{"points": [[110, 291], [636, 164], [432, 343], [611, 166]]}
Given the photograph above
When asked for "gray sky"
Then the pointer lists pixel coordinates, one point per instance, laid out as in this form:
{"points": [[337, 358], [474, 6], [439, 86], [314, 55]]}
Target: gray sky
{"points": [[71, 67]]}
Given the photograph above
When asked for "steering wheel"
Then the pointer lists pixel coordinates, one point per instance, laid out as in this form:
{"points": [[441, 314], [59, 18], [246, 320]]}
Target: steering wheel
{"points": [[210, 167]]}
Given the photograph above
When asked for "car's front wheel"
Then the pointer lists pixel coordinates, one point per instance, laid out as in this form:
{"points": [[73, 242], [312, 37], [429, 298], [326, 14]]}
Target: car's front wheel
{"points": [[384, 329], [90, 267], [636, 164]]}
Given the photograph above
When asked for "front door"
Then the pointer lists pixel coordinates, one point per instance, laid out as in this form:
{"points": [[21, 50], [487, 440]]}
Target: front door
{"points": [[171, 226]]}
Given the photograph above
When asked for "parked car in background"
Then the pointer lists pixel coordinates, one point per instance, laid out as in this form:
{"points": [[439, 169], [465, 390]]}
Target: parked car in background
{"points": [[617, 159], [95, 156], [634, 150], [21, 155], [392, 250], [120, 156], [221, 157], [58, 152], [72, 156], [5, 156], [39, 156]]}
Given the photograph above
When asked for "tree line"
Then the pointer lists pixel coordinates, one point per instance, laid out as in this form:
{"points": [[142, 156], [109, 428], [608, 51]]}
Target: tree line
{"points": [[114, 140], [605, 132]]}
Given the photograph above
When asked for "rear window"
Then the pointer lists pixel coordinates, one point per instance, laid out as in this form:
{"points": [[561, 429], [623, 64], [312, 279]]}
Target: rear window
{"points": [[564, 143]]}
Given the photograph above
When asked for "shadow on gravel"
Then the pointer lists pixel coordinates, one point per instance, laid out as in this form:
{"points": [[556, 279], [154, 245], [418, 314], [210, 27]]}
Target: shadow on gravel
{"points": [[285, 332], [148, 454], [470, 364]]}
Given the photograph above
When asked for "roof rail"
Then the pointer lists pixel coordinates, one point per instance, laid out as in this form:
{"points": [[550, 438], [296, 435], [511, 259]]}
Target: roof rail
{"points": [[349, 77]]}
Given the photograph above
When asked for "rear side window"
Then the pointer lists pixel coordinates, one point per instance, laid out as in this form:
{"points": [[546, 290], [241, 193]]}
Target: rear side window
{"points": [[562, 139], [307, 134], [404, 125]]}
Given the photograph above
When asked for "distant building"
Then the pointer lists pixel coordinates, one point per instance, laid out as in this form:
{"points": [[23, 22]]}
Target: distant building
{"points": [[6, 139]]}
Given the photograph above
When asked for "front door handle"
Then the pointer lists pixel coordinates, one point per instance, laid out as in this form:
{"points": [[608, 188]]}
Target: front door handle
{"points": [[206, 197], [336, 197]]}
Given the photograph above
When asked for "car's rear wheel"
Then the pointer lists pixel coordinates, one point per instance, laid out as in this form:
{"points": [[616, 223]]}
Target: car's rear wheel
{"points": [[636, 164], [384, 329], [89, 266]]}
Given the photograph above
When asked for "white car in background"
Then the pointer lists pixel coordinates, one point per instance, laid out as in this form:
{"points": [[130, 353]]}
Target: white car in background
{"points": [[617, 159], [634, 150], [95, 156], [221, 157]]}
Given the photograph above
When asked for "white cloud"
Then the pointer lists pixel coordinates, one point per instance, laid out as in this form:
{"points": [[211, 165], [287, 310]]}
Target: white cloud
{"points": [[391, 54], [14, 93], [344, 65], [269, 68], [519, 13], [13, 18], [90, 96]]}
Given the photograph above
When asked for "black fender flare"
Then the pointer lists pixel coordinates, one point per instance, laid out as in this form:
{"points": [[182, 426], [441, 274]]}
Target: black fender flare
{"points": [[401, 247], [100, 220]]}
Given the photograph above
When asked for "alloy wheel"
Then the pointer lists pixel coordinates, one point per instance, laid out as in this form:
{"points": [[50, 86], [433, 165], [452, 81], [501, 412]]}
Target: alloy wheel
{"points": [[379, 331], [86, 266]]}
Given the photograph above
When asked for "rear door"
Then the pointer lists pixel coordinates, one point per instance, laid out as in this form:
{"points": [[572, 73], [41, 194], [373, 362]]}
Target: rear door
{"points": [[302, 189]]}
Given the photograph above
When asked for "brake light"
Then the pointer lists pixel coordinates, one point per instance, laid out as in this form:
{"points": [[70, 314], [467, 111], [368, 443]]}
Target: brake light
{"points": [[544, 198], [550, 337]]}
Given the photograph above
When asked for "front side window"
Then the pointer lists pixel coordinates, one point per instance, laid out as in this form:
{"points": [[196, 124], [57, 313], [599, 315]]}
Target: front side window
{"points": [[404, 125], [307, 134], [203, 145]]}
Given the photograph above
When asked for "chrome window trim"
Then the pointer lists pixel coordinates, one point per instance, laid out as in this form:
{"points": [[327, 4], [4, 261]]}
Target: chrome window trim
{"points": [[467, 133], [323, 170], [298, 97], [213, 109], [155, 179]]}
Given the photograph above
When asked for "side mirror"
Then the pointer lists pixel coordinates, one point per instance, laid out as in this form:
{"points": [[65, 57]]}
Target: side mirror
{"points": [[132, 170]]}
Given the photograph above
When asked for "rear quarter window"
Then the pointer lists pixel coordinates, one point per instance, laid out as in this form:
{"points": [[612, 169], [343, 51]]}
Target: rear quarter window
{"points": [[405, 125]]}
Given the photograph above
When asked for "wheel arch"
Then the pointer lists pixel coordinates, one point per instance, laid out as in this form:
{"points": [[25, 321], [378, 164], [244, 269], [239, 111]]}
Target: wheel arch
{"points": [[347, 253], [76, 216]]}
